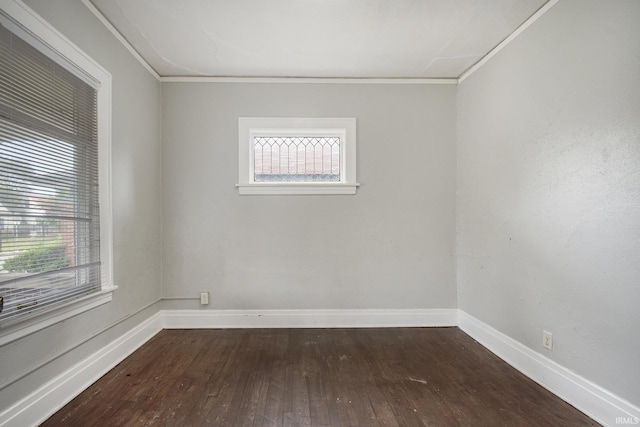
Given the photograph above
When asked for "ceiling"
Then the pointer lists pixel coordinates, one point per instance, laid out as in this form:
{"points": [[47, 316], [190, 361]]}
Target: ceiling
{"points": [[315, 38]]}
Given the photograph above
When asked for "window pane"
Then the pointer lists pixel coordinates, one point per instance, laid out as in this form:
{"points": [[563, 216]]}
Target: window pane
{"points": [[296, 159], [49, 210], [48, 239]]}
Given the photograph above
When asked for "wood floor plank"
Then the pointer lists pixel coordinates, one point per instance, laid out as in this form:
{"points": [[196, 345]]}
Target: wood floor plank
{"points": [[315, 377]]}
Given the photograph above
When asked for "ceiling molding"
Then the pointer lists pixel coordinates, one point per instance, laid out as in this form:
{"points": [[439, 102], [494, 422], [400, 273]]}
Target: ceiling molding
{"points": [[323, 80], [228, 79], [120, 38], [526, 24]]}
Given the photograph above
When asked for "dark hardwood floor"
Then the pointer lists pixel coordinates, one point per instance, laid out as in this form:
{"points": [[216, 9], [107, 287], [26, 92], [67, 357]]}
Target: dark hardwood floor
{"points": [[317, 377]]}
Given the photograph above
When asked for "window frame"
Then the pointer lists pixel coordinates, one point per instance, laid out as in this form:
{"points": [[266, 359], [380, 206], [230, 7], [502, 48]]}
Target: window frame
{"points": [[40, 34], [345, 128]]}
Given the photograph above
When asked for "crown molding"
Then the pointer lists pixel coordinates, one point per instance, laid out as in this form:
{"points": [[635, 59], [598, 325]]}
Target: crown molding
{"points": [[321, 80], [230, 79], [526, 24], [120, 38]]}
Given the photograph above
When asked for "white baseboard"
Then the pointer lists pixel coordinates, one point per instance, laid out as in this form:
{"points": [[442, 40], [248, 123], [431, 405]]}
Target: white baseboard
{"points": [[598, 403], [181, 319], [44, 402], [590, 398]]}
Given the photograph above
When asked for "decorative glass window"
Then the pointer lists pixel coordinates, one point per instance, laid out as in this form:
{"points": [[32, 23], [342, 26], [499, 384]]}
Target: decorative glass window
{"points": [[296, 159], [297, 156]]}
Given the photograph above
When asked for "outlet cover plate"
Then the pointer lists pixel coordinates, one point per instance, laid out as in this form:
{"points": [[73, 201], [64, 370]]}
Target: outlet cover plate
{"points": [[547, 340]]}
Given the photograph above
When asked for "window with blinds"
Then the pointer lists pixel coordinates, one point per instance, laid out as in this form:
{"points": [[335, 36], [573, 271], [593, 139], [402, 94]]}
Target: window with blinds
{"points": [[49, 195]]}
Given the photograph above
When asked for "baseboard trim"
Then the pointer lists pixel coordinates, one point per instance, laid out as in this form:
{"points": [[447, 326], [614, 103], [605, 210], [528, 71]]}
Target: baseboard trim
{"points": [[45, 401], [179, 319], [598, 403]]}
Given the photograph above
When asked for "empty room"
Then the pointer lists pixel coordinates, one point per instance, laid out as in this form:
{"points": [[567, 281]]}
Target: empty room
{"points": [[319, 212]]}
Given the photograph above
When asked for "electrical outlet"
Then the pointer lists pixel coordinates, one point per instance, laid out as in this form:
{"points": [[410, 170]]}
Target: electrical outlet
{"points": [[204, 298], [547, 340]]}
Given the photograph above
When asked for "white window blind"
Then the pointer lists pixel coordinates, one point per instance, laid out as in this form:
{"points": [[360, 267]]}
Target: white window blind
{"points": [[49, 210]]}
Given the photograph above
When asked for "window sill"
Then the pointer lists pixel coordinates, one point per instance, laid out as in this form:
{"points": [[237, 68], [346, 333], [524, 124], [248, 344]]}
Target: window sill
{"points": [[12, 332], [257, 189]]}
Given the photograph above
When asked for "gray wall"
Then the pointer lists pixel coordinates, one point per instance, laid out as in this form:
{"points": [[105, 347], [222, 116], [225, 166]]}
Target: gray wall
{"points": [[548, 209], [30, 362], [389, 246], [548, 183]]}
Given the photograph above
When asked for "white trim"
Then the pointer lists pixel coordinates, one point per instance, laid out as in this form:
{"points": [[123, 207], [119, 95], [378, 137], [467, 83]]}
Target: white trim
{"points": [[341, 127], [230, 79], [51, 37], [318, 80], [595, 401], [312, 80], [526, 24], [11, 24], [120, 38], [104, 182], [45, 401], [40, 321], [265, 189], [61, 46], [365, 318]]}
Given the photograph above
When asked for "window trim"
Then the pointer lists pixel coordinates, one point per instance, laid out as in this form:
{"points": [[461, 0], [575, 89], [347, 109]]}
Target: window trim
{"points": [[289, 126], [46, 38]]}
